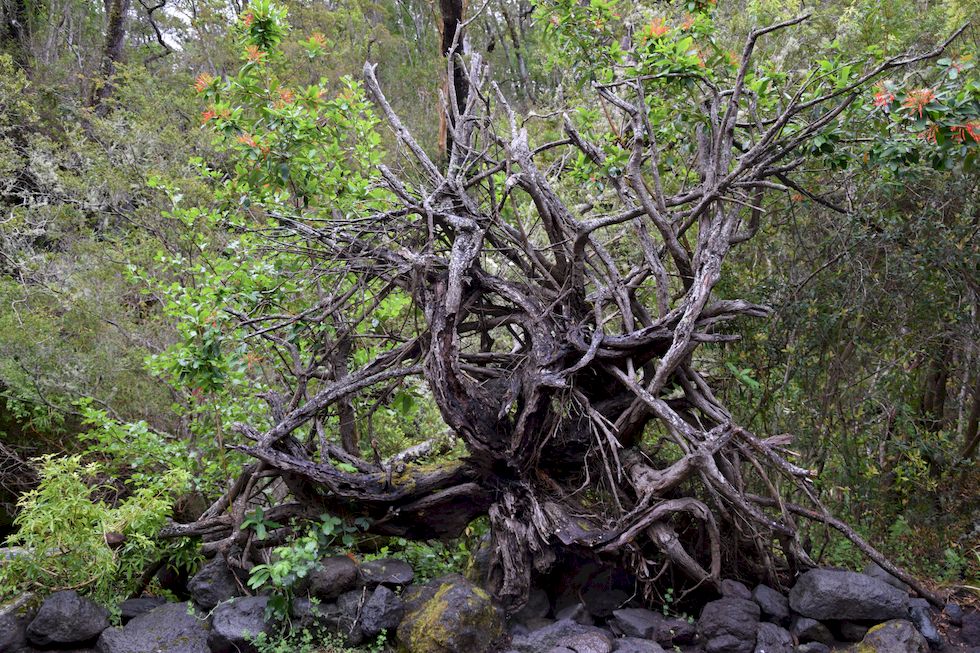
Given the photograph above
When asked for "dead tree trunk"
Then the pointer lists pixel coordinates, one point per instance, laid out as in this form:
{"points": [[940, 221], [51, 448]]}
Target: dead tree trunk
{"points": [[455, 88], [561, 357]]}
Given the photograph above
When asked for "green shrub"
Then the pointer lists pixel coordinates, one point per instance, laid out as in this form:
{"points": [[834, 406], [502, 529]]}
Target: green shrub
{"points": [[71, 538]]}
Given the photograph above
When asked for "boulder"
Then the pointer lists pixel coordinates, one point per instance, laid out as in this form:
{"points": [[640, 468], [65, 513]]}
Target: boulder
{"points": [[65, 618], [679, 632], [833, 594], [332, 577], [13, 633], [970, 629], [577, 612], [895, 636], [131, 608], [560, 633], [774, 606], [348, 618], [538, 606], [212, 584], [307, 614], [873, 570], [601, 602], [236, 623], [450, 615], [770, 638], [636, 645], [728, 625], [919, 615], [954, 613], [735, 590], [597, 641], [387, 571], [638, 622], [382, 611], [805, 629], [171, 628]]}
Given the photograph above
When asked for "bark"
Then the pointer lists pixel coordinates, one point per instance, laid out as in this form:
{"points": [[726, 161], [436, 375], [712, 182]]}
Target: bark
{"points": [[112, 50], [455, 89]]}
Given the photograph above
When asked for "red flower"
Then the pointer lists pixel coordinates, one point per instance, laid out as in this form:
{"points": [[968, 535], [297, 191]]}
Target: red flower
{"points": [[248, 19], [253, 53], [930, 134], [208, 115], [246, 139], [971, 129], [883, 97], [202, 82], [656, 28], [918, 99]]}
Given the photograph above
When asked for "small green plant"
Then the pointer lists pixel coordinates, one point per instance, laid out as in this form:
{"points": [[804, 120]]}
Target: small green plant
{"points": [[297, 560], [314, 640]]}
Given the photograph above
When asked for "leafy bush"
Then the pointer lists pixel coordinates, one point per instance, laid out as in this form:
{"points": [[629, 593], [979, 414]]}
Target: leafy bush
{"points": [[72, 539]]}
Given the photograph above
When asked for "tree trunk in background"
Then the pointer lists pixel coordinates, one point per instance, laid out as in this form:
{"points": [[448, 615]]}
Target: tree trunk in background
{"points": [[15, 30], [115, 36], [972, 436], [452, 18], [934, 390]]}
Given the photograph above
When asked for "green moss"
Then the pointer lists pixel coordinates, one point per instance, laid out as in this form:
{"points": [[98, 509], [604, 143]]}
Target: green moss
{"points": [[429, 630]]}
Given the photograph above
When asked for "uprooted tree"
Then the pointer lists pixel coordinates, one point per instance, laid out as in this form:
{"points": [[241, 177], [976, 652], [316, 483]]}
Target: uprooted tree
{"points": [[558, 330]]}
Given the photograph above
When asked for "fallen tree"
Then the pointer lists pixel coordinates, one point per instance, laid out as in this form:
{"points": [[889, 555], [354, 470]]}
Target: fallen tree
{"points": [[558, 337]]}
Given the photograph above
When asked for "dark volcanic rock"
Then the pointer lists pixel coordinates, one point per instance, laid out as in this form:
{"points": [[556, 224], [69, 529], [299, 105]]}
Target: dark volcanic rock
{"points": [[538, 606], [382, 611], [729, 626], [775, 606], [577, 612], [920, 617], [636, 645], [770, 638], [970, 631], [66, 618], [735, 590], [214, 583], [387, 571], [602, 602], [236, 623], [832, 594], [13, 632], [167, 629], [332, 577], [810, 630], [873, 570], [131, 608], [638, 622], [558, 634], [954, 613]]}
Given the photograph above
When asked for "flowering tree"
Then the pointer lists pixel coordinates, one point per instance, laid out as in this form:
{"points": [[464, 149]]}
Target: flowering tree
{"points": [[560, 296]]}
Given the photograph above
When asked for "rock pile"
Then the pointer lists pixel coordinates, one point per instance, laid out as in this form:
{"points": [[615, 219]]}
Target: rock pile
{"points": [[588, 610]]}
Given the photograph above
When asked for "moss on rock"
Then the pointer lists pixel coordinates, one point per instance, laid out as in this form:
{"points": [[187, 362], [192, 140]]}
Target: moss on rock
{"points": [[450, 615]]}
